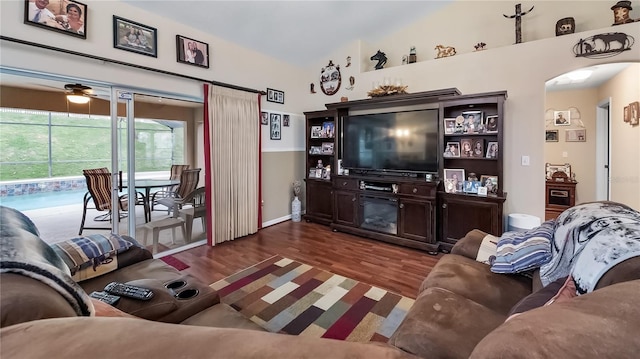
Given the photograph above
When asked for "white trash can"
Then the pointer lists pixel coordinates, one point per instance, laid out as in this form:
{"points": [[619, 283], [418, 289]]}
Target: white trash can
{"points": [[519, 222]]}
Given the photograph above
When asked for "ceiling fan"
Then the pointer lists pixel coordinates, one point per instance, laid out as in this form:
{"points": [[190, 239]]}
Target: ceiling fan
{"points": [[78, 93]]}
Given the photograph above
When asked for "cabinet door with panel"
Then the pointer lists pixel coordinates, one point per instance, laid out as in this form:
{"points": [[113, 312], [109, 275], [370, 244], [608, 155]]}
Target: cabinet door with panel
{"points": [[345, 208], [319, 207], [459, 214], [416, 219]]}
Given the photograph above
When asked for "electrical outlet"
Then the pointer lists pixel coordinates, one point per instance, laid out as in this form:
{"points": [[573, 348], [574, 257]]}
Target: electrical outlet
{"points": [[525, 160], [565, 154]]}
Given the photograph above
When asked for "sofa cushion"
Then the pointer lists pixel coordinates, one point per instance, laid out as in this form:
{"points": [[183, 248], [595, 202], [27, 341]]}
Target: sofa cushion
{"points": [[126, 338], [91, 255], [475, 281], [601, 324], [443, 324], [558, 291], [522, 251], [25, 299]]}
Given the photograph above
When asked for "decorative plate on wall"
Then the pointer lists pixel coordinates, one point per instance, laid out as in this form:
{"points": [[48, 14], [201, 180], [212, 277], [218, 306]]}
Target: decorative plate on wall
{"points": [[330, 79]]}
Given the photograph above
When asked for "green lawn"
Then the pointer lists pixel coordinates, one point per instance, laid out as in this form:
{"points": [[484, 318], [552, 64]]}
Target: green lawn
{"points": [[78, 143]]}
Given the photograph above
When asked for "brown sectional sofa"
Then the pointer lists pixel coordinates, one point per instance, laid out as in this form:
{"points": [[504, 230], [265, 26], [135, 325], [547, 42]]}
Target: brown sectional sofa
{"points": [[459, 313]]}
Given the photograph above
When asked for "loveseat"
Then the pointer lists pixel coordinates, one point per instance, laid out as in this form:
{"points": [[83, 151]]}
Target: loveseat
{"points": [[462, 306]]}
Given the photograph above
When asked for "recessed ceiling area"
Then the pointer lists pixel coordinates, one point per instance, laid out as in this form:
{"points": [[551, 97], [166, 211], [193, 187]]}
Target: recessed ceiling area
{"points": [[597, 75]]}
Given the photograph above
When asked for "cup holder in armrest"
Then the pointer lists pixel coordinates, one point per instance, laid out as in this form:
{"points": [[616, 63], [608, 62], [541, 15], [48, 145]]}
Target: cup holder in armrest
{"points": [[176, 284], [187, 294]]}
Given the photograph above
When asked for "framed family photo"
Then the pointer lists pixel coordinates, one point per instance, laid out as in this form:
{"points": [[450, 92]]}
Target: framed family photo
{"points": [[285, 120], [551, 136], [275, 96], [68, 17], [275, 126], [132, 36], [264, 118], [192, 52]]}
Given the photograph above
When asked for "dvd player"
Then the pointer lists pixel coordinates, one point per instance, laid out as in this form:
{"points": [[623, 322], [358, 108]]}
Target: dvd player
{"points": [[378, 188]]}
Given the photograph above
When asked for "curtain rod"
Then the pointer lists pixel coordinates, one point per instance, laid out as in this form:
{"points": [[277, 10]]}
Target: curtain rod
{"points": [[46, 47]]}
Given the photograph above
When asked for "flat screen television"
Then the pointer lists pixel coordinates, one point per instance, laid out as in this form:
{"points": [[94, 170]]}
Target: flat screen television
{"points": [[397, 141]]}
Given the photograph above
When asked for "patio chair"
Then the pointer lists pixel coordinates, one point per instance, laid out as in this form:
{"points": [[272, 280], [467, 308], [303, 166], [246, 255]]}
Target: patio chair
{"points": [[174, 174], [188, 183], [197, 209], [87, 196], [99, 186]]}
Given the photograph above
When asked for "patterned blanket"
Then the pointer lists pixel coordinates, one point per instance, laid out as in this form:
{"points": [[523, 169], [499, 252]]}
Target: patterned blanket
{"points": [[589, 240], [23, 252]]}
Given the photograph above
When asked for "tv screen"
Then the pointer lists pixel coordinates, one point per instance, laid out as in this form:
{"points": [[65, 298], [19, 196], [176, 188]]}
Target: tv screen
{"points": [[398, 141]]}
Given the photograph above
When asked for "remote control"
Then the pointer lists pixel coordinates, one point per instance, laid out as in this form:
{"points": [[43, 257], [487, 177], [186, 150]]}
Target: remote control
{"points": [[105, 297], [129, 291]]}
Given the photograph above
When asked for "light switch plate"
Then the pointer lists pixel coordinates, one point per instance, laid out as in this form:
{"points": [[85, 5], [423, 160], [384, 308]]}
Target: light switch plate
{"points": [[525, 160]]}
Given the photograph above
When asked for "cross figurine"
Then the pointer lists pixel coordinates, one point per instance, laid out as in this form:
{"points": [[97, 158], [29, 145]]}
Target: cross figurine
{"points": [[518, 16]]}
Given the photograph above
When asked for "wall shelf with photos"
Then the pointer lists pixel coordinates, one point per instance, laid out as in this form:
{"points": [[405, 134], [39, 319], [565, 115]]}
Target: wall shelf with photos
{"points": [[471, 128]]}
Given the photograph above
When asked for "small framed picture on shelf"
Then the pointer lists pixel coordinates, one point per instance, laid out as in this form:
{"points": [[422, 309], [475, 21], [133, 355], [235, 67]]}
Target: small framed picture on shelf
{"points": [[449, 126], [551, 136], [315, 150], [312, 173], [492, 150], [576, 135], [453, 179], [452, 150], [491, 124], [490, 183], [466, 147], [316, 131], [478, 148], [319, 172], [472, 121], [327, 130], [470, 186], [482, 191], [562, 118], [327, 148]]}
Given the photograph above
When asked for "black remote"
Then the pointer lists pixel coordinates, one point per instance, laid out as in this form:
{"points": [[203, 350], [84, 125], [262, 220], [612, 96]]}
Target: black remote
{"points": [[130, 291], [105, 297]]}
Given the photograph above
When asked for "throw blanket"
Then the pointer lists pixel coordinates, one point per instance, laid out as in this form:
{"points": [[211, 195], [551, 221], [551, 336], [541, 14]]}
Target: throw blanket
{"points": [[23, 252], [589, 240]]}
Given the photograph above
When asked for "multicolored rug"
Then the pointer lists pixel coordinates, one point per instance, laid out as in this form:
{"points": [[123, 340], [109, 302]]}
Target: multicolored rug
{"points": [[285, 296]]}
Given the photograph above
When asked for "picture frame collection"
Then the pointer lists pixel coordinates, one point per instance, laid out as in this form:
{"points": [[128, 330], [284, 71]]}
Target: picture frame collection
{"points": [[471, 148], [128, 35], [632, 113], [276, 96], [454, 182], [563, 118], [471, 122], [275, 121], [327, 130]]}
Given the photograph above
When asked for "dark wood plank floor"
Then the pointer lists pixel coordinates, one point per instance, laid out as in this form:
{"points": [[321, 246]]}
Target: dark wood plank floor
{"points": [[398, 269]]}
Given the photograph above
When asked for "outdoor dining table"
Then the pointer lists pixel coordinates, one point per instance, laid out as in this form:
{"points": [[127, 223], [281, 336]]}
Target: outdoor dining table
{"points": [[147, 185]]}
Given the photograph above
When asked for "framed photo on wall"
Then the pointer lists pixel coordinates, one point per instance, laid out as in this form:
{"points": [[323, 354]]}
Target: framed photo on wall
{"points": [[192, 52], [551, 136], [275, 126], [133, 36], [264, 118], [575, 135], [275, 96], [562, 118], [634, 108], [68, 17]]}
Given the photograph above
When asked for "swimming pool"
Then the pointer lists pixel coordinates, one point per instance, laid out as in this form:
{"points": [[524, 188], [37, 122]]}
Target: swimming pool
{"points": [[43, 200]]}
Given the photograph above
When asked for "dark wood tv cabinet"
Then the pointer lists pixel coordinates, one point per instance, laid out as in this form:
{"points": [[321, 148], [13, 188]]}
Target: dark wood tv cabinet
{"points": [[397, 210]]}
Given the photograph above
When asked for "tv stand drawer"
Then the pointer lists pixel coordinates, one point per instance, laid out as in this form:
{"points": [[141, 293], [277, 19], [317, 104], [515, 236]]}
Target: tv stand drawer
{"points": [[417, 190], [347, 183]]}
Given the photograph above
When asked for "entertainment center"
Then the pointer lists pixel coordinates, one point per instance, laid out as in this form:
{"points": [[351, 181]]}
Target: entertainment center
{"points": [[384, 177]]}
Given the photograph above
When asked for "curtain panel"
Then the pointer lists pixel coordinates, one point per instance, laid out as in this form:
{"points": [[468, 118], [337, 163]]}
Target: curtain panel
{"points": [[232, 146]]}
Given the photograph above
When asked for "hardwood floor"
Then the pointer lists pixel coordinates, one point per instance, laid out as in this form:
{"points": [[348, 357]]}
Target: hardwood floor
{"points": [[398, 269]]}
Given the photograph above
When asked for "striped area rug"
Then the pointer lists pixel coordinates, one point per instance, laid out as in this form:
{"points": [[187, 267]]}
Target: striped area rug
{"points": [[285, 296]]}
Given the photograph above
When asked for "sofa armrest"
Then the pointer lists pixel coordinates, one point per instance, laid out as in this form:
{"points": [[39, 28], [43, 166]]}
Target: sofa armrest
{"points": [[602, 324], [469, 245]]}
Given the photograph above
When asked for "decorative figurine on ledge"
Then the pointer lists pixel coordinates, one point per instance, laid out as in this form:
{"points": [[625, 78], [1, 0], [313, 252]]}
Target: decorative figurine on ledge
{"points": [[479, 46], [381, 57], [445, 51], [412, 55], [565, 26], [621, 13], [518, 16]]}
